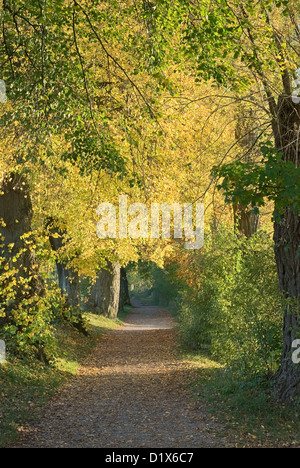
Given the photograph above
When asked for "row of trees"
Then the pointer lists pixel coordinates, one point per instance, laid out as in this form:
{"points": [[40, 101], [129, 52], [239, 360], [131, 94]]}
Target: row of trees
{"points": [[253, 50], [158, 100], [90, 115]]}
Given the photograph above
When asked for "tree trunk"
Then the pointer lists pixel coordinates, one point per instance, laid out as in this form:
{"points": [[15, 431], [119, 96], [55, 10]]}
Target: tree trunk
{"points": [[246, 221], [17, 251], [105, 295], [124, 290], [287, 243], [69, 284], [68, 278]]}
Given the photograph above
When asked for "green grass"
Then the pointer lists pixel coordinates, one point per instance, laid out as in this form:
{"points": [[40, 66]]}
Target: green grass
{"points": [[244, 407], [26, 386]]}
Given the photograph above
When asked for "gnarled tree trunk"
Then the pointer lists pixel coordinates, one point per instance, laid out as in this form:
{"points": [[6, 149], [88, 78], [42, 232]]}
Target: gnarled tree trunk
{"points": [[287, 242], [17, 241], [105, 294], [287, 245]]}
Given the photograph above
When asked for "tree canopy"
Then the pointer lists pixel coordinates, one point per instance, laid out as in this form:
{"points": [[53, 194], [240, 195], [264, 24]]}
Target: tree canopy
{"points": [[162, 101]]}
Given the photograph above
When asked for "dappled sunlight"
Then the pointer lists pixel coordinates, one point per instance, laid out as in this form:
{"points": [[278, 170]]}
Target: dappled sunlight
{"points": [[132, 369]]}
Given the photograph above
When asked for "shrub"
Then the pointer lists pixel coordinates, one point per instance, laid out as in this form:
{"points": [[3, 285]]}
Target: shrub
{"points": [[228, 301]]}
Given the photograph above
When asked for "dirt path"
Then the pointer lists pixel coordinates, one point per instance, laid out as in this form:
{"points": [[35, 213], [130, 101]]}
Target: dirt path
{"points": [[131, 393]]}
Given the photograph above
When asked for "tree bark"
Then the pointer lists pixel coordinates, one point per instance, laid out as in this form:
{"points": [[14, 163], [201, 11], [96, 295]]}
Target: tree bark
{"points": [[287, 244], [17, 252], [69, 284], [246, 221], [124, 290], [105, 294], [68, 278]]}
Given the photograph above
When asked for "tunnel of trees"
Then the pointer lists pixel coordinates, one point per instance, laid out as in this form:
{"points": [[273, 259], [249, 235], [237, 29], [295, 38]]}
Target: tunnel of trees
{"points": [[162, 101]]}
